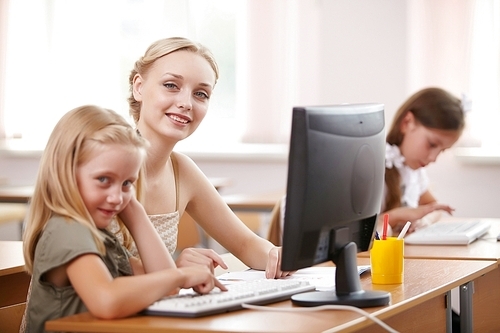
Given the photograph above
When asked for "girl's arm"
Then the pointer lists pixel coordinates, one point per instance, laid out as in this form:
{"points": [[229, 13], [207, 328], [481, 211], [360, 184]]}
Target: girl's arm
{"points": [[154, 255], [202, 201], [427, 204], [426, 198], [110, 298]]}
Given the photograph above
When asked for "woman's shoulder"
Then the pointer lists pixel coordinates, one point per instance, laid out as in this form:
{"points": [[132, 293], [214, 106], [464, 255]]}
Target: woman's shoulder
{"points": [[184, 162], [181, 157]]}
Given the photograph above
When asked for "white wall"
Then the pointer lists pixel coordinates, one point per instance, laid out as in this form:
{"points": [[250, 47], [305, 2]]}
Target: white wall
{"points": [[363, 57]]}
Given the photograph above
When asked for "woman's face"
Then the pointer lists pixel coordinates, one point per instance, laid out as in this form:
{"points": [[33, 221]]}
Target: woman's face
{"points": [[422, 145], [174, 94]]}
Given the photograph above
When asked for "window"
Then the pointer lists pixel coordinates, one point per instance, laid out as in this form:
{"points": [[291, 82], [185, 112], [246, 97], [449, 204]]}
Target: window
{"points": [[62, 54]]}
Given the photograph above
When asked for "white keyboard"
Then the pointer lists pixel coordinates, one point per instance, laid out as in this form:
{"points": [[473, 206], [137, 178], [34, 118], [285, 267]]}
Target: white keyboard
{"points": [[263, 291], [461, 232]]}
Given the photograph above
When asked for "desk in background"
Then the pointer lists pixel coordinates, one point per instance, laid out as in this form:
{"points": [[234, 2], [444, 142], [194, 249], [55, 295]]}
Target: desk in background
{"points": [[419, 305], [254, 209], [17, 194], [12, 212], [255, 202], [13, 206], [485, 291], [14, 283]]}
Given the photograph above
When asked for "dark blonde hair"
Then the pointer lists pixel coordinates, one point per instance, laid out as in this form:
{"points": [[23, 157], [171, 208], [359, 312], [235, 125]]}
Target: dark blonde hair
{"points": [[433, 108], [71, 143], [157, 50]]}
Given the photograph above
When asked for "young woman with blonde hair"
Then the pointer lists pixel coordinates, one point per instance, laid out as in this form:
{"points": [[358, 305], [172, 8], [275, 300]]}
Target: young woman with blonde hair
{"points": [[171, 86]]}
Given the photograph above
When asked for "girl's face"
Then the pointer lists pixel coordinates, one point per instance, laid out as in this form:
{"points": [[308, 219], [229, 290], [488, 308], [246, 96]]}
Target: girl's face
{"points": [[422, 145], [105, 181], [174, 94]]}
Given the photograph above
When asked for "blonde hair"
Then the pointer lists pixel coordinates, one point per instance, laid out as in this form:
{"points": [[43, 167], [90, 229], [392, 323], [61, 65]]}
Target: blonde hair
{"points": [[433, 108], [71, 143], [157, 50]]}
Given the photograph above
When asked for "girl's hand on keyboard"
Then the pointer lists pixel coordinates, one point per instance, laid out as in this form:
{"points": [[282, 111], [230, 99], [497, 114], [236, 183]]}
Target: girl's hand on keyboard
{"points": [[419, 216], [425, 221], [200, 279]]}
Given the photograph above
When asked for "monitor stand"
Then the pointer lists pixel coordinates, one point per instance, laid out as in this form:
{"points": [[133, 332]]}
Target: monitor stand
{"points": [[348, 289]]}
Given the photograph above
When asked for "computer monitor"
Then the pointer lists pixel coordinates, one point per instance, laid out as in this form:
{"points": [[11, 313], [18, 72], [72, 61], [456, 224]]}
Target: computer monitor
{"points": [[335, 186]]}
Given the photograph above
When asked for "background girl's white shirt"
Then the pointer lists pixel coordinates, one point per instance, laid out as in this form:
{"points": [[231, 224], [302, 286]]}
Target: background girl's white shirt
{"points": [[414, 183]]}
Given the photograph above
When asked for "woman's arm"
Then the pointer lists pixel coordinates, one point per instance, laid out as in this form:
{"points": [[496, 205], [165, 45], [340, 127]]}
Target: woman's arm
{"points": [[202, 201]]}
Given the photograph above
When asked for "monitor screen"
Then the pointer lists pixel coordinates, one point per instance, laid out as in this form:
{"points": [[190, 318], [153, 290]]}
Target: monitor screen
{"points": [[335, 186]]}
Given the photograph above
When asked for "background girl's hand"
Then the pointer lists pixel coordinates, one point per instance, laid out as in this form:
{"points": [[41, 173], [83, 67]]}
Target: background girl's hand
{"points": [[200, 257], [273, 268], [423, 216], [425, 221]]}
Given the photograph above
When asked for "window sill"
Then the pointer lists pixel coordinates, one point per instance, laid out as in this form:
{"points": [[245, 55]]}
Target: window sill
{"points": [[234, 152], [16, 148], [478, 155]]}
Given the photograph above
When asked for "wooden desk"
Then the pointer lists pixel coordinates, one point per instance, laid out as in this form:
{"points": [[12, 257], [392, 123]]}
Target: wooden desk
{"points": [[22, 194], [17, 195], [14, 283], [485, 292], [418, 305]]}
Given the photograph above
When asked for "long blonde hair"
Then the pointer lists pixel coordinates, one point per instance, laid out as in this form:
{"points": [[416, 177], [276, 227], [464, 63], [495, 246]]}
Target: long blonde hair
{"points": [[159, 49], [56, 192], [433, 108]]}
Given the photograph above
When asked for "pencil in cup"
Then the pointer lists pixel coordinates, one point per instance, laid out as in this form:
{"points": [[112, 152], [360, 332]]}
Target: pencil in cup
{"points": [[387, 261]]}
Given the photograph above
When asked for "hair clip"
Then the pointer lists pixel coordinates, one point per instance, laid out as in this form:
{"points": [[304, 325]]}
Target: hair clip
{"points": [[393, 156]]}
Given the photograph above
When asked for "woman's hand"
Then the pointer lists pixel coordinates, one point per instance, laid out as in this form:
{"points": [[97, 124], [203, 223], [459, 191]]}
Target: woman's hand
{"points": [[273, 268], [200, 257]]}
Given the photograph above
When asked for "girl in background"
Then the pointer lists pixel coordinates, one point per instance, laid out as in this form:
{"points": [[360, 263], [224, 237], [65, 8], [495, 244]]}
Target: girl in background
{"points": [[171, 86], [88, 178], [428, 123]]}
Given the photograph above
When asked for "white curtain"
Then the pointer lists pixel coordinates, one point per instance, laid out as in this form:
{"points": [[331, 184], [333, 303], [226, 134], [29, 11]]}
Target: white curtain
{"points": [[454, 44], [277, 33], [485, 72]]}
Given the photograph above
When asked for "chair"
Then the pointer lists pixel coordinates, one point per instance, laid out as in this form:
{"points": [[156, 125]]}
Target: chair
{"points": [[188, 234], [275, 234], [10, 317]]}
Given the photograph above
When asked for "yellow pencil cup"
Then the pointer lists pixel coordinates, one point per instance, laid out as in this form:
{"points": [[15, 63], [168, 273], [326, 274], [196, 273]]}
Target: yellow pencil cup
{"points": [[387, 261]]}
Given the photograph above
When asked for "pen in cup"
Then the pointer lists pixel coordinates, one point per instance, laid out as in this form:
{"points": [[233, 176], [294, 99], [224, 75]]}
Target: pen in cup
{"points": [[377, 236], [404, 230], [386, 225]]}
